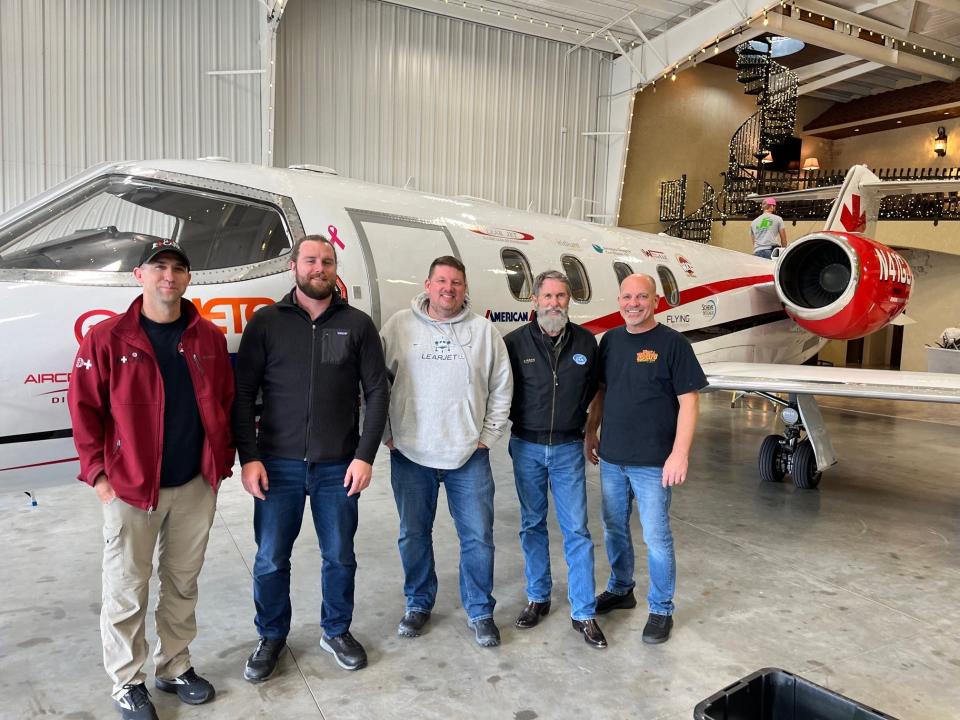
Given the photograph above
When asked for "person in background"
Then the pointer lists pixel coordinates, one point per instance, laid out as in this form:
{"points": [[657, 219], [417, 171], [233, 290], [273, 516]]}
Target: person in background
{"points": [[767, 230]]}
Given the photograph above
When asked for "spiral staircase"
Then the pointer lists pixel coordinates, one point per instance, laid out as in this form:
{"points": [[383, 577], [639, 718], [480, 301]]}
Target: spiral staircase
{"points": [[776, 89]]}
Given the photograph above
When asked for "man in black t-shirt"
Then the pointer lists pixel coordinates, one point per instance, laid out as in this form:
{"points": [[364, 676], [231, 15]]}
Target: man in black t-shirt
{"points": [[649, 378]]}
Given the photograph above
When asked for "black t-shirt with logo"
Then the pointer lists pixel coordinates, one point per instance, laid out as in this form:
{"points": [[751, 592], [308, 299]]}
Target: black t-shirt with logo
{"points": [[644, 373], [182, 428]]}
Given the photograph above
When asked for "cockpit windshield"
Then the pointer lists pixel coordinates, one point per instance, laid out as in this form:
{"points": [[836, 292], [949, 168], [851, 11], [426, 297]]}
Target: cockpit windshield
{"points": [[104, 225]]}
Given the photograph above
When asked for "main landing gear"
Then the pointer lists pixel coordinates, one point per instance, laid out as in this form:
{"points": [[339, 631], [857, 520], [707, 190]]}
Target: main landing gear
{"points": [[793, 452]]}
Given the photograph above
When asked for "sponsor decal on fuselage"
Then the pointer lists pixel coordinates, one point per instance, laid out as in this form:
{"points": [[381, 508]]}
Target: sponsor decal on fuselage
{"points": [[709, 309], [500, 233], [230, 314], [41, 378], [654, 254], [509, 315], [686, 265]]}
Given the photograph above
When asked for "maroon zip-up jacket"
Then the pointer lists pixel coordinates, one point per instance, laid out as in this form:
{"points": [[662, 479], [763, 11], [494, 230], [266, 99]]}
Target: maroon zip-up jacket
{"points": [[116, 403]]}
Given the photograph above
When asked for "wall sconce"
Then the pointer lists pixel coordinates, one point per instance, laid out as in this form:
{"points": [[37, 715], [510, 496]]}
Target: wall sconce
{"points": [[810, 164], [940, 142]]}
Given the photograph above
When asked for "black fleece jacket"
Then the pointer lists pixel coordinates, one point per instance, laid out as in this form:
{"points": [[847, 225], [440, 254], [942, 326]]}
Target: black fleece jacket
{"points": [[311, 373], [551, 390]]}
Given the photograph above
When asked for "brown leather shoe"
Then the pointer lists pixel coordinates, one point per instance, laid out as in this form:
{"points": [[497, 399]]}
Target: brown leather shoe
{"points": [[531, 614], [591, 632]]}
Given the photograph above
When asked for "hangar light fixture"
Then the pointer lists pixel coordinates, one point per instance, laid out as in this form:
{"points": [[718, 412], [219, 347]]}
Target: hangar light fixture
{"points": [[940, 142]]}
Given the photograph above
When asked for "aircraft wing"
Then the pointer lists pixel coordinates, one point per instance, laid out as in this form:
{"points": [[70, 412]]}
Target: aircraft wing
{"points": [[878, 189], [843, 382]]}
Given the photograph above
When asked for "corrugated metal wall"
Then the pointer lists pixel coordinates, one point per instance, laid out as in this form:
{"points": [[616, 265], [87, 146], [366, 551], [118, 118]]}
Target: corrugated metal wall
{"points": [[82, 81], [382, 92]]}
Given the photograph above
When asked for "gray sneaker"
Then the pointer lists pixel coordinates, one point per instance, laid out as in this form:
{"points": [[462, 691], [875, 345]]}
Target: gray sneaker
{"points": [[488, 635], [348, 653], [135, 703]]}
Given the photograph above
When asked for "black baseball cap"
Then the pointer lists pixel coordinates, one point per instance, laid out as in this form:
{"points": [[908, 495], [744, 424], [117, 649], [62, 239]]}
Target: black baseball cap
{"points": [[162, 246]]}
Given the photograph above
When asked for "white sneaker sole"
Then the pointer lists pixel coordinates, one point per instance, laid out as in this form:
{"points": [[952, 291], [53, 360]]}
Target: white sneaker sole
{"points": [[329, 649]]}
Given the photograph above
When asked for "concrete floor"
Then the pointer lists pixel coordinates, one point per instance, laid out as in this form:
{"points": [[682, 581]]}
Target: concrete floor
{"points": [[854, 586]]}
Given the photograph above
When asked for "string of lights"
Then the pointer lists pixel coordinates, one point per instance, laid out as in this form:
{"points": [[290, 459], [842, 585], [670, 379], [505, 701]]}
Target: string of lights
{"points": [[713, 46]]}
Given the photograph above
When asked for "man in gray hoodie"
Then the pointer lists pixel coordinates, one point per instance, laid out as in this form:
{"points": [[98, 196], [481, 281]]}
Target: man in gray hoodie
{"points": [[452, 389]]}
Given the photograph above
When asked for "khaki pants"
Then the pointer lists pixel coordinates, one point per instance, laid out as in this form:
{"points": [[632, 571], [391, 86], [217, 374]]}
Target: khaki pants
{"points": [[181, 523]]}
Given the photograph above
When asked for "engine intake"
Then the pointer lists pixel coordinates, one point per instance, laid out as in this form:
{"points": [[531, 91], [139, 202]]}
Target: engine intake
{"points": [[841, 285]]}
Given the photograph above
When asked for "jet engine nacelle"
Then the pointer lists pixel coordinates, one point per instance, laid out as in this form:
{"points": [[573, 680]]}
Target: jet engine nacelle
{"points": [[842, 285]]}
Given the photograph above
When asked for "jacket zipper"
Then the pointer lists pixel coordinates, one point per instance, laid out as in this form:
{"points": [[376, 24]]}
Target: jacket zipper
{"points": [[553, 355], [313, 343], [199, 366]]}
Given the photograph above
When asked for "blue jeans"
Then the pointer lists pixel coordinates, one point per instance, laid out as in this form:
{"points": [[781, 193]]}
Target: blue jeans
{"points": [[276, 524], [764, 252], [470, 499], [621, 484], [561, 469]]}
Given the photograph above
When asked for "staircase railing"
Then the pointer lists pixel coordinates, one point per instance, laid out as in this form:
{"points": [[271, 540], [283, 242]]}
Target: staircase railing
{"points": [[673, 198], [698, 226]]}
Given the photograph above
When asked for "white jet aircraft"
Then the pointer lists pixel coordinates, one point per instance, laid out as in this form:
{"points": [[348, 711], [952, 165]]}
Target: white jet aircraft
{"points": [[66, 259]]}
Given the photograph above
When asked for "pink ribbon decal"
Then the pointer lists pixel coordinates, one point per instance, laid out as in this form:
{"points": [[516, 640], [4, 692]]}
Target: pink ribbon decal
{"points": [[334, 238]]}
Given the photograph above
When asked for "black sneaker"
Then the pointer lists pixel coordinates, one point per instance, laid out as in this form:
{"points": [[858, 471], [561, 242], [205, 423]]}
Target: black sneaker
{"points": [[488, 635], [607, 601], [263, 662], [411, 624], [349, 654], [657, 629], [189, 687], [135, 703]]}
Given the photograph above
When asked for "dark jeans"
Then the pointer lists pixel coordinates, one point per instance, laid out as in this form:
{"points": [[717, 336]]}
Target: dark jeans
{"points": [[470, 499], [276, 524]]}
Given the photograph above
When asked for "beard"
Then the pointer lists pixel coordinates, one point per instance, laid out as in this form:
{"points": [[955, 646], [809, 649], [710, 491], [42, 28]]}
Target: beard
{"points": [[552, 321], [320, 291]]}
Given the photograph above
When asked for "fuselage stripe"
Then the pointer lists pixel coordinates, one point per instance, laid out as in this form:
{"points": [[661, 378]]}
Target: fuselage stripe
{"points": [[608, 322]]}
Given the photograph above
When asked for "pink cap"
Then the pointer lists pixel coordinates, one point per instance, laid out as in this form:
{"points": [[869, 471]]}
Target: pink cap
{"points": [[769, 201]]}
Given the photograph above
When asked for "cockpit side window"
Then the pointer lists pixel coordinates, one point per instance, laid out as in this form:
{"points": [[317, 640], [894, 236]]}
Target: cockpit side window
{"points": [[105, 224]]}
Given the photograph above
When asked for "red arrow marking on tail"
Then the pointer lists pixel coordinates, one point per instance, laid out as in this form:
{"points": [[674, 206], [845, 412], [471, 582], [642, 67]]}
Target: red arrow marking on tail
{"points": [[854, 221]]}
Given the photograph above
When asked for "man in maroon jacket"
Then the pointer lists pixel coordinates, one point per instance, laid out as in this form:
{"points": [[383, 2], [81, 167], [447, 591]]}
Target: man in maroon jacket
{"points": [[150, 398]]}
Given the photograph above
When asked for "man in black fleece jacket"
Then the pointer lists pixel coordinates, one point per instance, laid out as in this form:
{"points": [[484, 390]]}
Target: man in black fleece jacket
{"points": [[309, 354]]}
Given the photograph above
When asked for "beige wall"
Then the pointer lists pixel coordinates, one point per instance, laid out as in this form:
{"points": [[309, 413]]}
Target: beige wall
{"points": [[909, 147], [685, 127], [934, 303]]}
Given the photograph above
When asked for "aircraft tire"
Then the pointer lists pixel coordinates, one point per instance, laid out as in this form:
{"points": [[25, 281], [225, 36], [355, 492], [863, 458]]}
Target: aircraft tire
{"points": [[771, 469], [804, 473]]}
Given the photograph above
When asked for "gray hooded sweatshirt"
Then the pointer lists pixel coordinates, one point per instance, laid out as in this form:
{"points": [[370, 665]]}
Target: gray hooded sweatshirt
{"points": [[452, 384]]}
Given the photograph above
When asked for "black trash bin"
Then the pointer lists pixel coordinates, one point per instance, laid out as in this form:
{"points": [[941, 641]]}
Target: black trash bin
{"points": [[775, 694]]}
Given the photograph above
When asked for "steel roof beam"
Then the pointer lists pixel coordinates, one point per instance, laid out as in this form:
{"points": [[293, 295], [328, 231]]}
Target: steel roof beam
{"points": [[806, 72], [817, 7], [841, 42], [838, 77]]}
